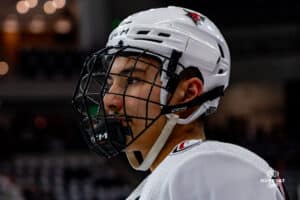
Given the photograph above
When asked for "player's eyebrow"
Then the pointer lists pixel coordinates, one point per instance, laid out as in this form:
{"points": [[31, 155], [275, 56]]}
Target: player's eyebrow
{"points": [[131, 69]]}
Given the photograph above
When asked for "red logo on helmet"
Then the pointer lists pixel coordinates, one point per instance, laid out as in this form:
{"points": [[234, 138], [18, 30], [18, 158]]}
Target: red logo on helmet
{"points": [[197, 19]]}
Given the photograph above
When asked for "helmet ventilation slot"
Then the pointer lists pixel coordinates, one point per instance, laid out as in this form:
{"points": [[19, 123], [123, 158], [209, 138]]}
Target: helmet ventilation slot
{"points": [[221, 71], [221, 50], [144, 32], [148, 39], [164, 34]]}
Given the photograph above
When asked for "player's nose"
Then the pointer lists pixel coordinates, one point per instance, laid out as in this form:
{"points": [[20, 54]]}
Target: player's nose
{"points": [[113, 100]]}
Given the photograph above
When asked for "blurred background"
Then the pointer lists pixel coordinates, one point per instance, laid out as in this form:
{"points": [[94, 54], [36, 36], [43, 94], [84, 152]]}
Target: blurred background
{"points": [[42, 47]]}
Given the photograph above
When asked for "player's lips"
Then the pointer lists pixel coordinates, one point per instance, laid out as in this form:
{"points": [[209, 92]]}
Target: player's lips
{"points": [[122, 119], [125, 122]]}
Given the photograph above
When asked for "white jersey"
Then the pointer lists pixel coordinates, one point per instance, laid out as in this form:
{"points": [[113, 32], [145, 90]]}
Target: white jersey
{"points": [[210, 170]]}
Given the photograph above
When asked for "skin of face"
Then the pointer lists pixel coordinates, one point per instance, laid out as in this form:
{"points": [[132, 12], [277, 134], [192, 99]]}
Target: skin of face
{"points": [[145, 69]]}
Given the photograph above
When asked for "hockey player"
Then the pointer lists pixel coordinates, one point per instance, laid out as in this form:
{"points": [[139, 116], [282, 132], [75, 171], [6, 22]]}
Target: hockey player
{"points": [[146, 94]]}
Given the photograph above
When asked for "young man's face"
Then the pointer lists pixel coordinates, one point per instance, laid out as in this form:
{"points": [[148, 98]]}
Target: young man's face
{"points": [[142, 85]]}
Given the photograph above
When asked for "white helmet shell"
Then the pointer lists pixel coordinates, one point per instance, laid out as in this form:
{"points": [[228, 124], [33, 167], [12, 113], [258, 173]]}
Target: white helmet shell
{"points": [[163, 30]]}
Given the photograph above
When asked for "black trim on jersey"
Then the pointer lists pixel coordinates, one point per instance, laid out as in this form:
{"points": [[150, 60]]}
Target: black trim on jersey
{"points": [[286, 194], [176, 150]]}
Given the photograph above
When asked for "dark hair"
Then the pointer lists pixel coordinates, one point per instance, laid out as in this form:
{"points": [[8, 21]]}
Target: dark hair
{"points": [[191, 72]]}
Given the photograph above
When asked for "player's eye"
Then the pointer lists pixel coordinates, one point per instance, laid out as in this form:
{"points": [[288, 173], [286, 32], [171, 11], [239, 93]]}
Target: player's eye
{"points": [[133, 80]]}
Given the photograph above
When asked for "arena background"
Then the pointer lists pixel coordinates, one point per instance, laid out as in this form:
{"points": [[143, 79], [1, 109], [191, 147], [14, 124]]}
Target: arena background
{"points": [[42, 47]]}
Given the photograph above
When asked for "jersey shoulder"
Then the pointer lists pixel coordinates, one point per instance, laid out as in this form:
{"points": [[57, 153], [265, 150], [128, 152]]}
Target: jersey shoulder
{"points": [[193, 151], [222, 169]]}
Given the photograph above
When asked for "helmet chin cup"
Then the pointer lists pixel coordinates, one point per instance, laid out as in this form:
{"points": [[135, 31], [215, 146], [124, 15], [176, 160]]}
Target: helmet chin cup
{"points": [[107, 136]]}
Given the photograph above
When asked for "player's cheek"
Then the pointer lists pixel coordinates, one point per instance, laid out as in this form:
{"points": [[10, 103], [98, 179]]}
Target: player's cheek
{"points": [[137, 107], [133, 108], [136, 99], [154, 107]]}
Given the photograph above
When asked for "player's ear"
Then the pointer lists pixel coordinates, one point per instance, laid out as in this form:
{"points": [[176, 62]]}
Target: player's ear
{"points": [[187, 90]]}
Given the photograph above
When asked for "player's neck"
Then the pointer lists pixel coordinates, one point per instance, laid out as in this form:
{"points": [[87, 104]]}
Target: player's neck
{"points": [[179, 134]]}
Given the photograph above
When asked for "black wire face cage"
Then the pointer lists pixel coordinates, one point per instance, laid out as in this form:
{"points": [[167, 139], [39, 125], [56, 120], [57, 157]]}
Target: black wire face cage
{"points": [[108, 132]]}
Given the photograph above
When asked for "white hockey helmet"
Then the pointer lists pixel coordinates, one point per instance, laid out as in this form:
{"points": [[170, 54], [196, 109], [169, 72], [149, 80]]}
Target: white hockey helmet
{"points": [[164, 30]]}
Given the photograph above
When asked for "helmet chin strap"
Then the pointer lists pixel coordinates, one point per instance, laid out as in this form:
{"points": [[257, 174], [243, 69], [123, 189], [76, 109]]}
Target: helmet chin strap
{"points": [[156, 148]]}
